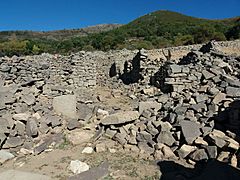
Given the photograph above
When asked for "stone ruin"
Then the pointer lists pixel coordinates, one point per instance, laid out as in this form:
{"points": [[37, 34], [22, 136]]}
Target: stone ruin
{"points": [[185, 108], [193, 112]]}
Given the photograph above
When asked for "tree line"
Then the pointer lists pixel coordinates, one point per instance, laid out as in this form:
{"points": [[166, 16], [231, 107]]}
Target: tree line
{"points": [[157, 30]]}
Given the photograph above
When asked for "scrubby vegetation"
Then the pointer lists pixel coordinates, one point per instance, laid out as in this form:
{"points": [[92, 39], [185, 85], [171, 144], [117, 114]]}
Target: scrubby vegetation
{"points": [[154, 30]]}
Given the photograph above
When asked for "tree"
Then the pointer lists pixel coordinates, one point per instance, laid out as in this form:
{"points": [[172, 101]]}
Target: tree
{"points": [[218, 36], [183, 40], [36, 49], [234, 32], [203, 33]]}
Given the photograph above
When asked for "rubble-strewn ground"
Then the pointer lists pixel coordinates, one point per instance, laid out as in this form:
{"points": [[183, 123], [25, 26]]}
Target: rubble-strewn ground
{"points": [[154, 118]]}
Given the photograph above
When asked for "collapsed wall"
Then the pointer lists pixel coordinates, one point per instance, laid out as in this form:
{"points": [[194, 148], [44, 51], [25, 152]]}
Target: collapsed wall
{"points": [[56, 73], [194, 115], [156, 57]]}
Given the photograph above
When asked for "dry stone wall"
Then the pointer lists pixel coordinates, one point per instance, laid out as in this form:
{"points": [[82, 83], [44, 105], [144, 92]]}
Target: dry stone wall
{"points": [[192, 115], [153, 61], [57, 73]]}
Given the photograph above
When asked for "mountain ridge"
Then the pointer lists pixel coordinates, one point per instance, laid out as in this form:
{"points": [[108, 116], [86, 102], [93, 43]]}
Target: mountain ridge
{"points": [[154, 30]]}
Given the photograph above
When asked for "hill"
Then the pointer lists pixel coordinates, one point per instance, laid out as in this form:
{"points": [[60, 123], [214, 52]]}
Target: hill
{"points": [[166, 28], [154, 30], [56, 35]]}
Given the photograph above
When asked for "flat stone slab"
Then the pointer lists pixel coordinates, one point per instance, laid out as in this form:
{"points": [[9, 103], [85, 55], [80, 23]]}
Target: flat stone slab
{"points": [[233, 92], [66, 105], [92, 174], [5, 155], [20, 175], [149, 105], [190, 130], [121, 117]]}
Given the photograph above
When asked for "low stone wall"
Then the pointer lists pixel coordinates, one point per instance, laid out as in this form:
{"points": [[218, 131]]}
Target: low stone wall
{"points": [[58, 73], [85, 70], [154, 58]]}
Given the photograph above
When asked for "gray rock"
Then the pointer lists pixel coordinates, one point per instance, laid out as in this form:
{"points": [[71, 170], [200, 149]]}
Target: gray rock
{"points": [[110, 133], [120, 138], [66, 105], [55, 138], [5, 155], [231, 81], [20, 128], [79, 136], [4, 125], [32, 128], [3, 137], [21, 107], [166, 137], [21, 116], [73, 124], [211, 151], [233, 92], [175, 69], [219, 98], [165, 126], [190, 130], [146, 114], [93, 173], [149, 105], [120, 118], [217, 141], [84, 112], [185, 150], [180, 110], [199, 107], [78, 167], [20, 175], [163, 98], [29, 99], [5, 68], [43, 128], [52, 120], [144, 147], [13, 142], [172, 117], [151, 129], [207, 74], [144, 136], [201, 97], [199, 155], [2, 105]]}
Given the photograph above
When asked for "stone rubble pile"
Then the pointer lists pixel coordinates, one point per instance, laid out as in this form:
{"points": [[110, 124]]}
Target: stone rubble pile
{"points": [[185, 108], [196, 116], [37, 102]]}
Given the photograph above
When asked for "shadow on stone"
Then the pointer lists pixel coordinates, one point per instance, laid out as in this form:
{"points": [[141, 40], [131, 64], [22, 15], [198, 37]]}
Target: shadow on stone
{"points": [[190, 58], [206, 48], [132, 70], [207, 170], [113, 70], [158, 79], [229, 119]]}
